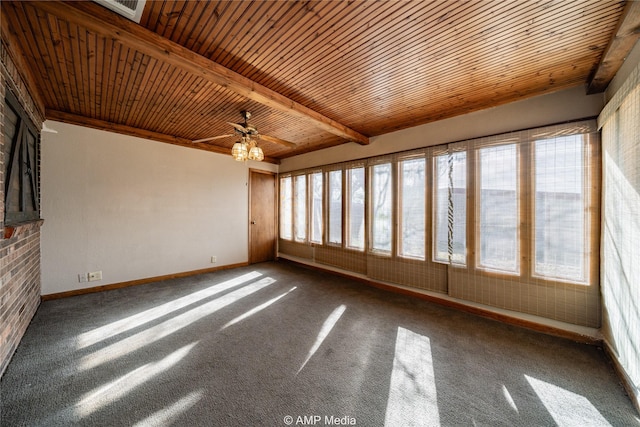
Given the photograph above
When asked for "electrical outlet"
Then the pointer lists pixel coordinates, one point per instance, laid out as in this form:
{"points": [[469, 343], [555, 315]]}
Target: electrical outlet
{"points": [[95, 275], [214, 260], [82, 277]]}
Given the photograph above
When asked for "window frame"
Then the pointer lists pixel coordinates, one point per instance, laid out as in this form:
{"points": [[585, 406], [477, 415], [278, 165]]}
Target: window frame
{"points": [[329, 217], [348, 210], [391, 252], [588, 176], [434, 209], [297, 214], [27, 159], [311, 178], [400, 207], [283, 208], [520, 194]]}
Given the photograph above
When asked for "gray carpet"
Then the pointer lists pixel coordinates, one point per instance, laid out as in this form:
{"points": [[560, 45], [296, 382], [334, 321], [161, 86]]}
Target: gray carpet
{"points": [[275, 344]]}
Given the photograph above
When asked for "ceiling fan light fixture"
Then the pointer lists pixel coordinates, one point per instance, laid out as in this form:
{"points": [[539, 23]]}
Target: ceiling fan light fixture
{"points": [[247, 147], [256, 153], [240, 151]]}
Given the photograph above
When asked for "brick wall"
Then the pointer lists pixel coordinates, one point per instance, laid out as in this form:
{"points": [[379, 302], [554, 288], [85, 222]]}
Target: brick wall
{"points": [[19, 254], [19, 289]]}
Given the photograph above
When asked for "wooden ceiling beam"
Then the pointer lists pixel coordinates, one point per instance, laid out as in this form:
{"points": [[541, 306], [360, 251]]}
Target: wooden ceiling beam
{"points": [[100, 21], [624, 38], [75, 119]]}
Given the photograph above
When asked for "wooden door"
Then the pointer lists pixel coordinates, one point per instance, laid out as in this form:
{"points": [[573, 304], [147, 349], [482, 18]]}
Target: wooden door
{"points": [[262, 216]]}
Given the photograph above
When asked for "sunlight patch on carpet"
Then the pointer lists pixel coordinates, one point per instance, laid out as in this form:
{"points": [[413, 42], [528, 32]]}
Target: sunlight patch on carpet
{"points": [[324, 332], [412, 390], [509, 399], [257, 309], [119, 388], [168, 327], [168, 416], [112, 329], [566, 408]]}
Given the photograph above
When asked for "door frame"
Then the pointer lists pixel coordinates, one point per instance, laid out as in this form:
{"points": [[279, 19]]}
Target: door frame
{"points": [[275, 211]]}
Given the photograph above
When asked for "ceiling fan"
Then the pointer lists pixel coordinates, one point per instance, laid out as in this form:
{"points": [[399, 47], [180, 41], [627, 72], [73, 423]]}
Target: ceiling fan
{"points": [[246, 147]]}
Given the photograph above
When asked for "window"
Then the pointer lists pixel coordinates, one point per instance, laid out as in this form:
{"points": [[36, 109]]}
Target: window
{"points": [[355, 208], [286, 207], [528, 213], [21, 169], [560, 208], [412, 208], [498, 208], [381, 202], [300, 208], [316, 207], [450, 211], [335, 207]]}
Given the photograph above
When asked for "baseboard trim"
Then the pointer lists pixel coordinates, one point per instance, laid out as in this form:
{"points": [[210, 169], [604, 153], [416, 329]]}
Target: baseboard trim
{"points": [[467, 308], [622, 375], [137, 282]]}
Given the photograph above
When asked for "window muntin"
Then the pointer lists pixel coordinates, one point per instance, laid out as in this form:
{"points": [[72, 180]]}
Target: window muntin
{"points": [[450, 208], [317, 219], [561, 207], [335, 207], [412, 208], [286, 208], [497, 202], [355, 208], [381, 208], [300, 208]]}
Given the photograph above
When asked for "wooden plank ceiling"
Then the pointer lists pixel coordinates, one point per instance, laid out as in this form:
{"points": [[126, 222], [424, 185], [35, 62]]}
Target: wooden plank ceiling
{"points": [[315, 73]]}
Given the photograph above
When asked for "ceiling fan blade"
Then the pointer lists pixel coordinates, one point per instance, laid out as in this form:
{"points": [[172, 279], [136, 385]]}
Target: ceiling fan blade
{"points": [[213, 137], [239, 127], [277, 140]]}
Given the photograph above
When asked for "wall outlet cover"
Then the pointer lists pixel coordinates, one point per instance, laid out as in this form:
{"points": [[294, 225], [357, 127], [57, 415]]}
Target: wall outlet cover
{"points": [[95, 275]]}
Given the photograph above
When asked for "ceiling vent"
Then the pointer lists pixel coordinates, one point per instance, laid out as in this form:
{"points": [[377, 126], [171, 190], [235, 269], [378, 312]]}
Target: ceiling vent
{"points": [[130, 9]]}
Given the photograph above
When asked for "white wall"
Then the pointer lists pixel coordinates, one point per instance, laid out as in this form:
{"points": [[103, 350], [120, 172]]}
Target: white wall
{"points": [[135, 208], [556, 107]]}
